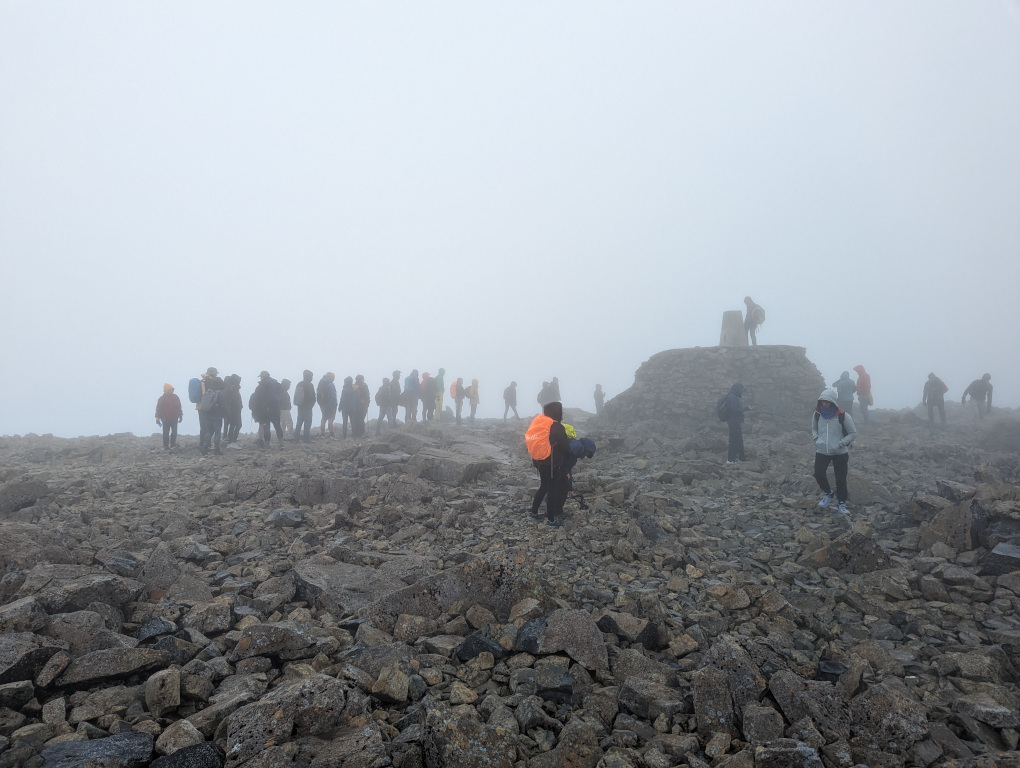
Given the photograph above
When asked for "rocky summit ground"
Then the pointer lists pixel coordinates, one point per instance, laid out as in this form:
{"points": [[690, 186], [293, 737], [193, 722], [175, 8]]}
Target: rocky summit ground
{"points": [[387, 602]]}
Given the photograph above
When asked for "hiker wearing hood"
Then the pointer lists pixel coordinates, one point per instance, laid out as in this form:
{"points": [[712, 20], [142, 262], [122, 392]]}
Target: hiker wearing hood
{"points": [[979, 390], [833, 431], [845, 389], [265, 409], [459, 393], [934, 396], [553, 471], [863, 391], [364, 400], [394, 398], [600, 399], [169, 414], [736, 408], [382, 399]]}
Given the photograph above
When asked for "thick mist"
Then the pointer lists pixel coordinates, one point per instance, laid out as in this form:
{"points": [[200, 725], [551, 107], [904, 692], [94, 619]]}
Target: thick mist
{"points": [[508, 192]]}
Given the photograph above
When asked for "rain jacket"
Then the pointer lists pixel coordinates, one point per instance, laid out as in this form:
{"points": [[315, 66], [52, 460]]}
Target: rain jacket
{"points": [[828, 433]]}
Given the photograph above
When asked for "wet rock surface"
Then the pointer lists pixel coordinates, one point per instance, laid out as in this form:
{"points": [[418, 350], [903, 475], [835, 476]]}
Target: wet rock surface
{"points": [[387, 601]]}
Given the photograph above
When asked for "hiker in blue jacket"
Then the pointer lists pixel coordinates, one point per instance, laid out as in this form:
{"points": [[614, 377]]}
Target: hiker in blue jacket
{"points": [[735, 409], [833, 431]]}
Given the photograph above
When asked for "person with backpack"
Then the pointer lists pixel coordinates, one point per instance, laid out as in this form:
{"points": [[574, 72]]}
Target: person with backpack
{"points": [[394, 397], [285, 418], [210, 412], [845, 389], [265, 403], [510, 400], [325, 394], [412, 389], [382, 399], [979, 390], [731, 409], [864, 398], [459, 394], [348, 404], [169, 414], [833, 431], [232, 407], [304, 399], [549, 449], [753, 318], [934, 396], [364, 400]]}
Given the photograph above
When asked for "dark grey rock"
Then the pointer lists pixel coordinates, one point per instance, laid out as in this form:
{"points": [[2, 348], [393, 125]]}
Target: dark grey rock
{"points": [[123, 750]]}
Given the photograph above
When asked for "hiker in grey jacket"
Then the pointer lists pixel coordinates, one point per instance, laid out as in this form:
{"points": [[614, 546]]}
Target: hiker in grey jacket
{"points": [[833, 431]]}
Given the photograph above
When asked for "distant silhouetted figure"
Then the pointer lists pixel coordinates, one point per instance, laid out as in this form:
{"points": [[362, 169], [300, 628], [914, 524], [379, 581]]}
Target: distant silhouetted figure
{"points": [[265, 408], [845, 389], [600, 399], [510, 400], [440, 379], [304, 399], [382, 399], [325, 394], [364, 401], [394, 397], [863, 391], [233, 405], [210, 414], [735, 409], [285, 405], [428, 396], [934, 397], [459, 394], [348, 404], [753, 318], [554, 389], [472, 393], [169, 414], [412, 390], [980, 391]]}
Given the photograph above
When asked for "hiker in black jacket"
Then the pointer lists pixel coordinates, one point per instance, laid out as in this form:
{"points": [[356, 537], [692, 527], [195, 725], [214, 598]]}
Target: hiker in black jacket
{"points": [[265, 408], [552, 472]]}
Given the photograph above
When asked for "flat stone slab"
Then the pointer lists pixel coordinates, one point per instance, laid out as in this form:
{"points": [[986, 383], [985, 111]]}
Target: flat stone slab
{"points": [[112, 664]]}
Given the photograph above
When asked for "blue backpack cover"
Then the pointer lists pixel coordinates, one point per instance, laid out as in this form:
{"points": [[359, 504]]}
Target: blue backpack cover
{"points": [[195, 390]]}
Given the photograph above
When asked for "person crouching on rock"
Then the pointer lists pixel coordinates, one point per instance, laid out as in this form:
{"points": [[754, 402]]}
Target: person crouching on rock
{"points": [[552, 468], [833, 431]]}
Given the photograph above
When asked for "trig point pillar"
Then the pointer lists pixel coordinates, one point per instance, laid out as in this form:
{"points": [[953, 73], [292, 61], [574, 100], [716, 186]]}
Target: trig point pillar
{"points": [[733, 334]]}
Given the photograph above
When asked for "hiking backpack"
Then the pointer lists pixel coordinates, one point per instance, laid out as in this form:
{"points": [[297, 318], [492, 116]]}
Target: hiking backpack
{"points": [[211, 402], [195, 390], [299, 394], [537, 437], [722, 408]]}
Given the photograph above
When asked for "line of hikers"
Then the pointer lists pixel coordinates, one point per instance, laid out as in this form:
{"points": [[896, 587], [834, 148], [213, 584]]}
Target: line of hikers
{"points": [[220, 406]]}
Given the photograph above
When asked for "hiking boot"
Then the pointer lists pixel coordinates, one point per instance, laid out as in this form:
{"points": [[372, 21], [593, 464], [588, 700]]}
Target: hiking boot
{"points": [[556, 522], [536, 516], [262, 443], [826, 500], [843, 509]]}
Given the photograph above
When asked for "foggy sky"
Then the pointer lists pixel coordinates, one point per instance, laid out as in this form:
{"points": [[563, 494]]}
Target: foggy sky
{"points": [[510, 191]]}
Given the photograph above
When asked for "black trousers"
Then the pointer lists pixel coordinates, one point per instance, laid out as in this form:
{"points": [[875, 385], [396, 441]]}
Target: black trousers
{"points": [[553, 487], [274, 421], [840, 462], [931, 411], [735, 452], [169, 433]]}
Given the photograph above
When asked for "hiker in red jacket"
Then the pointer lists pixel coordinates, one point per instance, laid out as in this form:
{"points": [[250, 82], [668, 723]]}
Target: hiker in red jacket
{"points": [[168, 415]]}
